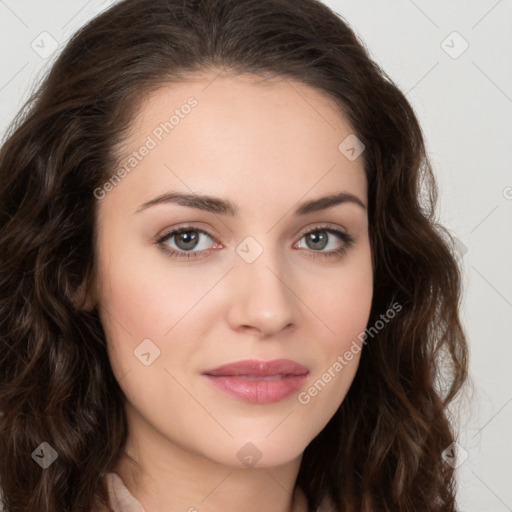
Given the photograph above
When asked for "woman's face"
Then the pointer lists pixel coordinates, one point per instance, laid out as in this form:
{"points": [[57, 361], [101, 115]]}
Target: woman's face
{"points": [[242, 282]]}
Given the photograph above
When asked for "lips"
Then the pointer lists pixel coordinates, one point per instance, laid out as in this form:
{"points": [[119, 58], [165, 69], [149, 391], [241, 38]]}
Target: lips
{"points": [[259, 382], [253, 369]]}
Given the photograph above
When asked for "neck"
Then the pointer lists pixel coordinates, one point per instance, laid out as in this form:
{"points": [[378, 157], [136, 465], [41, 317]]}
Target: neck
{"points": [[173, 478]]}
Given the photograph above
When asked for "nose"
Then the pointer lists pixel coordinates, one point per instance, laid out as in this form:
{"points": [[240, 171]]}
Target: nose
{"points": [[262, 298]]}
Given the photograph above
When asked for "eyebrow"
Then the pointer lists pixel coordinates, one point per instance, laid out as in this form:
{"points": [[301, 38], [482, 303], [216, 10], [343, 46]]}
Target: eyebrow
{"points": [[225, 207]]}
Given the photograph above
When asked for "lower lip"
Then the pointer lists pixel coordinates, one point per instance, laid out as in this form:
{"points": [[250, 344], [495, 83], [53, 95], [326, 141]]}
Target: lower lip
{"points": [[258, 391]]}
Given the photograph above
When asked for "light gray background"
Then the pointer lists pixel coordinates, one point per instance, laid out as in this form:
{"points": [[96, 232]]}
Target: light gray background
{"points": [[464, 105]]}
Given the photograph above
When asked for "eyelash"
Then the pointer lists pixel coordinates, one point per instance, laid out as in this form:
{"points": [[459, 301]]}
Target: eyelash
{"points": [[347, 239]]}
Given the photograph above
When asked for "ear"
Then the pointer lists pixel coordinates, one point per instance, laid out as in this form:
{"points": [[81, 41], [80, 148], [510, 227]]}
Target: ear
{"points": [[85, 297]]}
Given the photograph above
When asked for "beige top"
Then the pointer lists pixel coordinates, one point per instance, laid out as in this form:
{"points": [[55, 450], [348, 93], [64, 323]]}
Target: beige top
{"points": [[121, 500]]}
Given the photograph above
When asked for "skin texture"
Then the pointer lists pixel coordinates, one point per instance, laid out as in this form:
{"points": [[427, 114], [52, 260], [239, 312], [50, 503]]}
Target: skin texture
{"points": [[266, 147]]}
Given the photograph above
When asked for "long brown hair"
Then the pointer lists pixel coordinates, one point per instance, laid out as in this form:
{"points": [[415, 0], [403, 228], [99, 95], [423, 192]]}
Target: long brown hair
{"points": [[382, 450]]}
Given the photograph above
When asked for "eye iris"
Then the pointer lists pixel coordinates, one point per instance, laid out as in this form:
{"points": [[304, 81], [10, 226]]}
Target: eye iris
{"points": [[318, 237], [190, 239]]}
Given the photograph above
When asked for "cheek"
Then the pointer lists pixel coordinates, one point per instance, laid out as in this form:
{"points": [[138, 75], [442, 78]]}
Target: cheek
{"points": [[153, 301], [138, 309], [148, 297], [345, 312], [343, 306], [343, 302]]}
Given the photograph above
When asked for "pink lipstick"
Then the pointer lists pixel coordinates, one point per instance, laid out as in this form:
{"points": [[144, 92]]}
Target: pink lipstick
{"points": [[259, 382]]}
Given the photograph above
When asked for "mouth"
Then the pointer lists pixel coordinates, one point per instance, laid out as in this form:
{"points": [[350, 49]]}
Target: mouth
{"points": [[259, 381], [255, 377], [277, 368]]}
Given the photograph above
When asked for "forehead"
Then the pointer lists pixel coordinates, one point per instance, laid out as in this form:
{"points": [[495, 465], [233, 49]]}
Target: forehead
{"points": [[242, 133], [245, 99]]}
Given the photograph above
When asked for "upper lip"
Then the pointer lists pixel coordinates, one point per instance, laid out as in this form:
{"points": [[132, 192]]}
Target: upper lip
{"points": [[252, 367]]}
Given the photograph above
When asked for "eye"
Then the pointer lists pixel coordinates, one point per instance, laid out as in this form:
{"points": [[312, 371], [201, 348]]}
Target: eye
{"points": [[186, 238], [188, 243], [320, 237]]}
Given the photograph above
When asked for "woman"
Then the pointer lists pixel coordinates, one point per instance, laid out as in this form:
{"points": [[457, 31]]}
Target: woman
{"points": [[222, 284]]}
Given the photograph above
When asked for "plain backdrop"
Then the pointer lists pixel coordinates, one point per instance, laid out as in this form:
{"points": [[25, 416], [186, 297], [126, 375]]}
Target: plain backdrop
{"points": [[453, 61]]}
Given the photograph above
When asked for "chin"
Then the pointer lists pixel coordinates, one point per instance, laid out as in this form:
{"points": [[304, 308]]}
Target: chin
{"points": [[257, 452]]}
